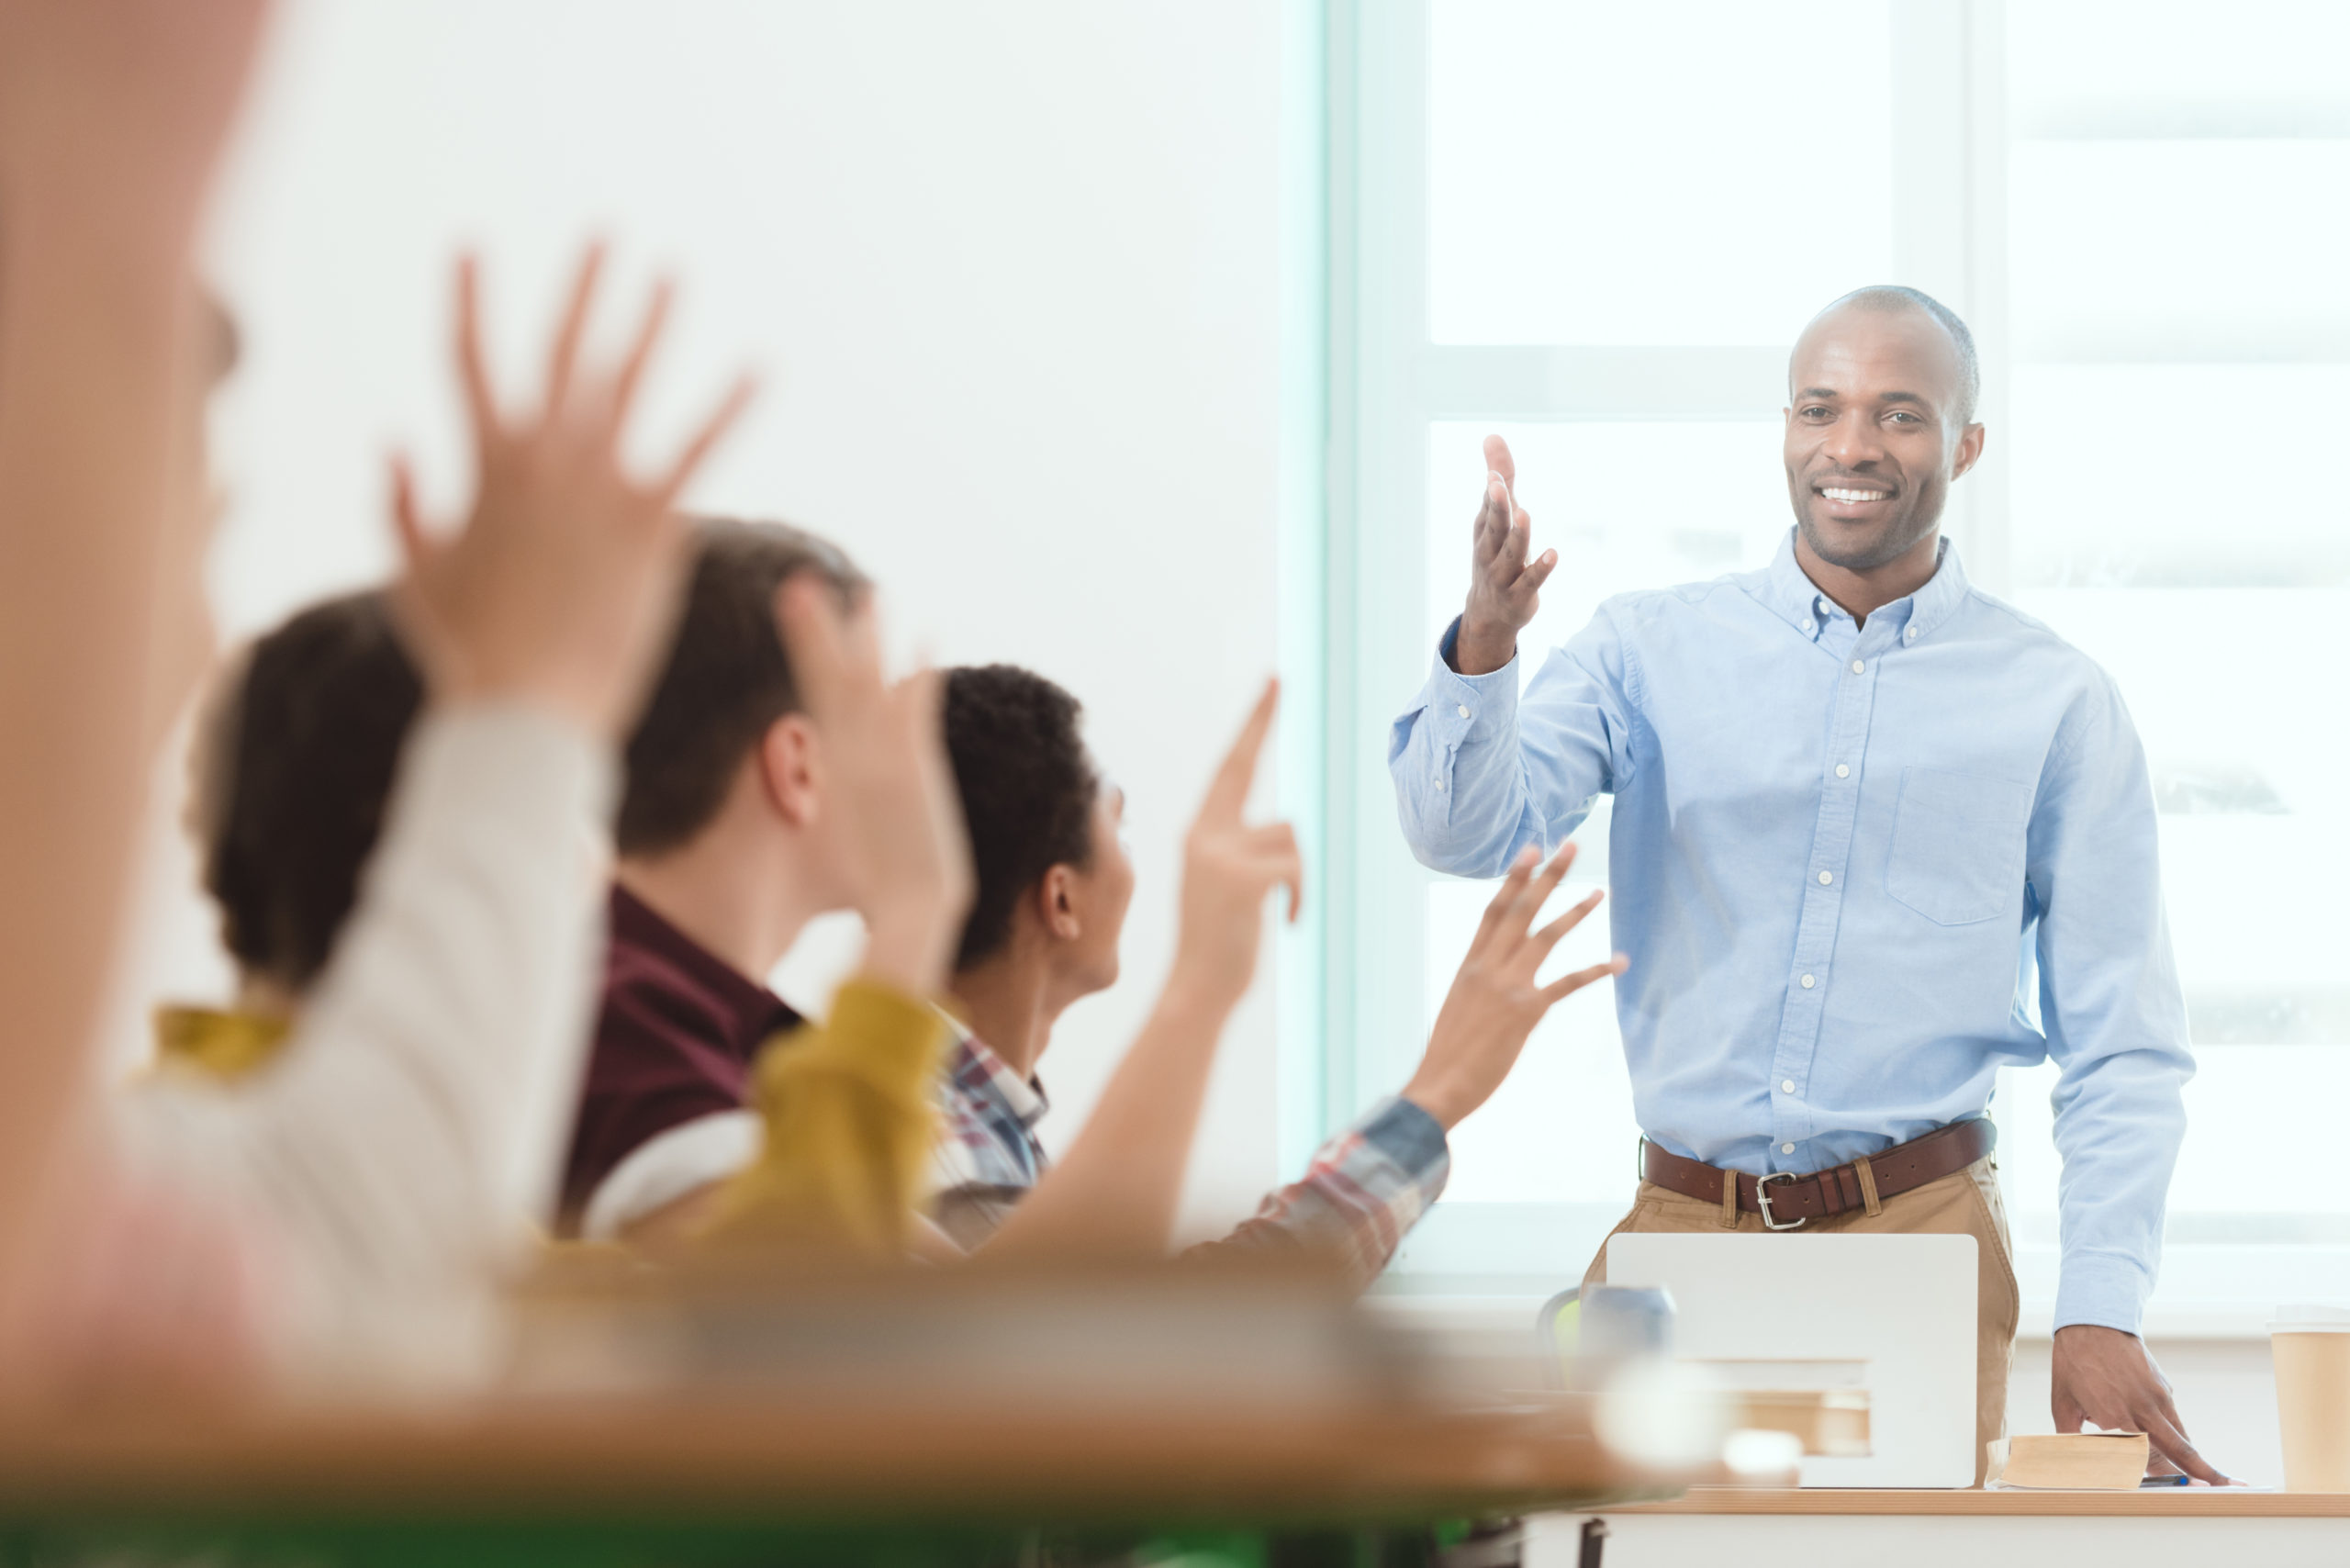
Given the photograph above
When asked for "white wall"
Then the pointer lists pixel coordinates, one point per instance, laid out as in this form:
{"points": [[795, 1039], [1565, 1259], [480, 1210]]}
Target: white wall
{"points": [[1010, 272]]}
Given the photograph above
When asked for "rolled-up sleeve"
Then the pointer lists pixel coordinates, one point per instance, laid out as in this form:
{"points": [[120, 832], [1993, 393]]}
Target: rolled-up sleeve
{"points": [[1480, 773], [2110, 1007]]}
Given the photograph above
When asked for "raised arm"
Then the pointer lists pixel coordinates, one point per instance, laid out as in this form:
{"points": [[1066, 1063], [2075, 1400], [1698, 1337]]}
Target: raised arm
{"points": [[1367, 1187], [111, 118], [1115, 1191], [1478, 775], [850, 1104], [2117, 1026], [416, 1123]]}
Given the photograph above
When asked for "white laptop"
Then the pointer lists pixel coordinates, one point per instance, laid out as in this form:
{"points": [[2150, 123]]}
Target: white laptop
{"points": [[1895, 1312]]}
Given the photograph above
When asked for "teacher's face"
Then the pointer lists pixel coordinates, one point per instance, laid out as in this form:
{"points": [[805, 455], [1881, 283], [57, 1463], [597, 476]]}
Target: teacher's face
{"points": [[1873, 436]]}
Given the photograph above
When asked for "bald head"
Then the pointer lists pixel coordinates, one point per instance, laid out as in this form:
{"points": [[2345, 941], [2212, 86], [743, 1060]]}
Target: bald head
{"points": [[1882, 388], [1893, 298]]}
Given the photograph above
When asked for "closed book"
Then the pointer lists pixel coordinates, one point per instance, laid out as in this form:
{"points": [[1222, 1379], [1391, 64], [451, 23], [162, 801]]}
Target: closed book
{"points": [[2076, 1461]]}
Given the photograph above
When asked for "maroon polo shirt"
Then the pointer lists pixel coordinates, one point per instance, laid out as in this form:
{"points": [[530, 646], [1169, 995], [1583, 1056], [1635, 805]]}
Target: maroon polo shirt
{"points": [[675, 1040]]}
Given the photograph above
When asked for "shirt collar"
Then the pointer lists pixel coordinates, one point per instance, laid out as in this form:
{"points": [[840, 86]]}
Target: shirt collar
{"points": [[753, 1014], [975, 1069], [1794, 597]]}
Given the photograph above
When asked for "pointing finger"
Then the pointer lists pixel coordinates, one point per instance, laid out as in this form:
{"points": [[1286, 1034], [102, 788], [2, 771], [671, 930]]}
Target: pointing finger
{"points": [[1228, 791]]}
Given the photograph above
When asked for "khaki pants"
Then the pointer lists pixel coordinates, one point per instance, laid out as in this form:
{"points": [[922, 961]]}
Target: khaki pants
{"points": [[1964, 1202]]}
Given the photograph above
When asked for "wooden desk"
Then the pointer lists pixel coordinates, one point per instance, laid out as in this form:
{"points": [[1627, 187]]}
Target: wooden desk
{"points": [[1766, 1528], [676, 1480]]}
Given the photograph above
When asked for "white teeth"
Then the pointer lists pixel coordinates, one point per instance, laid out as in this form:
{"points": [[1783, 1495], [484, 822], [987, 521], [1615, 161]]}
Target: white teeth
{"points": [[1854, 495]]}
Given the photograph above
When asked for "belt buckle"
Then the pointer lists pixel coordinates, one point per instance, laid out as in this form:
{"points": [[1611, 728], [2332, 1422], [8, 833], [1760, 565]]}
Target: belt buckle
{"points": [[1763, 1201]]}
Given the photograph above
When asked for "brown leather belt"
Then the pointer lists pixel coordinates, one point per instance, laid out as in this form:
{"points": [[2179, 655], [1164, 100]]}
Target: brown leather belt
{"points": [[1785, 1201]]}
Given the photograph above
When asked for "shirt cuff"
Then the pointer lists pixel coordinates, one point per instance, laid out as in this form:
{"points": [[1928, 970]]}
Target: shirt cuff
{"points": [[2102, 1289], [1412, 1139], [1461, 707]]}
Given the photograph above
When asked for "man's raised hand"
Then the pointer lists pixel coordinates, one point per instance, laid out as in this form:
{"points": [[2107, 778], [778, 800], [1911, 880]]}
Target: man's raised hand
{"points": [[1229, 865], [887, 783], [1505, 587], [1495, 1002], [561, 586]]}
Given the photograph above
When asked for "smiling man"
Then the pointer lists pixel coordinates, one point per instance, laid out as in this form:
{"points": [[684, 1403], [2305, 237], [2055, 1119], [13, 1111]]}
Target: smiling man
{"points": [[1876, 836]]}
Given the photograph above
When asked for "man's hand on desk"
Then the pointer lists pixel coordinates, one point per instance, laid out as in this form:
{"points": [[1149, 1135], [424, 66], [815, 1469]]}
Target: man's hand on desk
{"points": [[2109, 1378]]}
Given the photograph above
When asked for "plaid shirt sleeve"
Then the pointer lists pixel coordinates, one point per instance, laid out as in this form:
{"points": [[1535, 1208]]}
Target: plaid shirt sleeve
{"points": [[1365, 1189]]}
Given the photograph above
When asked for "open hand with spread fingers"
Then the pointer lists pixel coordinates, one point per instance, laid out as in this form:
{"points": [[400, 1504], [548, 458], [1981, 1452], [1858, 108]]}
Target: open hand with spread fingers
{"points": [[896, 816], [561, 586], [1505, 587], [1495, 1001], [1229, 865]]}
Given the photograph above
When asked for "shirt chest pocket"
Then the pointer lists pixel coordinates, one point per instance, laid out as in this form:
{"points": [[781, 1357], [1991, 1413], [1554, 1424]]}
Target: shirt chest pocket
{"points": [[1958, 844]]}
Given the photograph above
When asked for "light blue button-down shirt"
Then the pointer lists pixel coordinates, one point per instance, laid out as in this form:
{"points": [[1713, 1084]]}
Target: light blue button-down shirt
{"points": [[1857, 869]]}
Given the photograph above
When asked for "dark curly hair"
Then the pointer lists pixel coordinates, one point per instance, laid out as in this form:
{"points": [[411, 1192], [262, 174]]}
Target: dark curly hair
{"points": [[1028, 790], [296, 764]]}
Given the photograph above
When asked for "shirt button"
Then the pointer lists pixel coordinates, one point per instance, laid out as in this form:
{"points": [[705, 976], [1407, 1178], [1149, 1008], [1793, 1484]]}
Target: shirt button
{"points": [[1809, 982], [1858, 666], [1823, 607], [1826, 877], [1439, 786], [1462, 710], [1787, 1149], [1787, 1086], [1842, 771], [1910, 635]]}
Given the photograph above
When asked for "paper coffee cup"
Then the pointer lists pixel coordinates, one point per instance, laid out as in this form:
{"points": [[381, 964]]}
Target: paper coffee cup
{"points": [[2310, 1348]]}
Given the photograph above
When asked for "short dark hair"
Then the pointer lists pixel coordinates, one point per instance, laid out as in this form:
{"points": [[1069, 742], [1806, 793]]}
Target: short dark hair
{"points": [[727, 681], [297, 761], [1901, 296], [294, 767], [1028, 788]]}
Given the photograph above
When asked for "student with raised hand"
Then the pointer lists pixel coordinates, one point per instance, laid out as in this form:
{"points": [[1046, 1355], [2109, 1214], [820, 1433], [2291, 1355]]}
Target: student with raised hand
{"points": [[1054, 882], [729, 845], [411, 1127], [738, 821], [847, 1104], [369, 1187]]}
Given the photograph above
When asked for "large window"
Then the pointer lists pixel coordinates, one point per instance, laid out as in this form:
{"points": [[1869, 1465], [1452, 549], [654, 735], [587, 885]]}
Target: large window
{"points": [[1596, 227]]}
